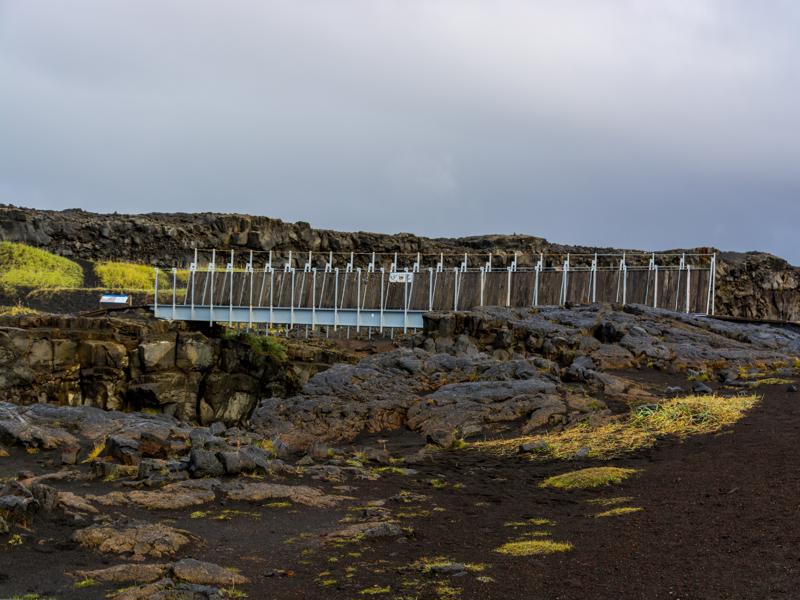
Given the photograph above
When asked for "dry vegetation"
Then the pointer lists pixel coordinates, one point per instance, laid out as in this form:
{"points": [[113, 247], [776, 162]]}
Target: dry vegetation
{"points": [[641, 428], [533, 547], [588, 478]]}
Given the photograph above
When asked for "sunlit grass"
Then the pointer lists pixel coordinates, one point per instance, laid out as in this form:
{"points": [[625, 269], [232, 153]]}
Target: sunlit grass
{"points": [[533, 547], [25, 266], [588, 478], [15, 311], [125, 276], [641, 428], [620, 510]]}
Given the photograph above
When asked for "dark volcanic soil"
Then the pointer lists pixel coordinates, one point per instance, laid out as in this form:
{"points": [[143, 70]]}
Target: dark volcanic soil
{"points": [[719, 520]]}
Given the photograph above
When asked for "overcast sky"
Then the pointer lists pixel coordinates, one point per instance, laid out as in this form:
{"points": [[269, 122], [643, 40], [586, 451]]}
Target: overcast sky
{"points": [[649, 124]]}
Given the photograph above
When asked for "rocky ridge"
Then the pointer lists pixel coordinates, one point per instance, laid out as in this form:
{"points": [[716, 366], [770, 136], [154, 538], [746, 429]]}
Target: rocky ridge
{"points": [[752, 285], [131, 361], [488, 371]]}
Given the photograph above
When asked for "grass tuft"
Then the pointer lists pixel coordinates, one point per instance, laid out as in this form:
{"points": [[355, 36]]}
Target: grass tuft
{"points": [[588, 478], [533, 547], [772, 381], [375, 590], [620, 510], [16, 311], [25, 266], [610, 501], [85, 583], [96, 451]]}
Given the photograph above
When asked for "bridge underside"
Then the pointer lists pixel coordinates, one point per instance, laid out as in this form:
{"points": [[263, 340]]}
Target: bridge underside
{"points": [[321, 317], [383, 294]]}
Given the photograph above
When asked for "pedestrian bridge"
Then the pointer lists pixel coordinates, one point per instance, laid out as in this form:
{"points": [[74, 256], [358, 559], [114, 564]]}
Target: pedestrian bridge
{"points": [[380, 292]]}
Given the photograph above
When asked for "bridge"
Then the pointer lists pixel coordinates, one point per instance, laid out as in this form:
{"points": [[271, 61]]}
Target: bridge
{"points": [[380, 292]]}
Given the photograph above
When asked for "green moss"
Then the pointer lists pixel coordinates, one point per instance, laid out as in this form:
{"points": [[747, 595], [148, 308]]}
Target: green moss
{"points": [[261, 345], [25, 266], [85, 583], [588, 478]]}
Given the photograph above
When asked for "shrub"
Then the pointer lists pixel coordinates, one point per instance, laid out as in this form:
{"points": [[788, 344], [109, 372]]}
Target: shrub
{"points": [[25, 266]]}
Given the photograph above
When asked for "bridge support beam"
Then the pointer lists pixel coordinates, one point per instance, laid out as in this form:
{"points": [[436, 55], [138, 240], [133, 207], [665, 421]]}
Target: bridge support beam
{"points": [[342, 317]]}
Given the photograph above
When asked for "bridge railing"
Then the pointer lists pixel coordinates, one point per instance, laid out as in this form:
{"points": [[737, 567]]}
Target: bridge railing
{"points": [[395, 290]]}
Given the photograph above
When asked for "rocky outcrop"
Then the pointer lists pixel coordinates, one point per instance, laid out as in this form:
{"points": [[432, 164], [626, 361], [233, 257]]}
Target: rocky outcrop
{"points": [[443, 397], [482, 372], [606, 337], [134, 362], [753, 285], [137, 539]]}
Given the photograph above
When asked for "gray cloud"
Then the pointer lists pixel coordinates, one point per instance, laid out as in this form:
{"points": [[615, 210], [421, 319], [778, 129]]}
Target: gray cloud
{"points": [[639, 123]]}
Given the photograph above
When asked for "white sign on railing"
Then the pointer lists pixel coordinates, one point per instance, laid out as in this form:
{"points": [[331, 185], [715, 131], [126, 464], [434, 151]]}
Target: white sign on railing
{"points": [[401, 277]]}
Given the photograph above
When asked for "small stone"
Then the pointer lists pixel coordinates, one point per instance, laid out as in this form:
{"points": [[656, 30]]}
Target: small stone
{"points": [[217, 428], [204, 573], [581, 453], [69, 454], [792, 389], [46, 496], [306, 461], [441, 437], [674, 390], [539, 446], [448, 569], [203, 463], [701, 388]]}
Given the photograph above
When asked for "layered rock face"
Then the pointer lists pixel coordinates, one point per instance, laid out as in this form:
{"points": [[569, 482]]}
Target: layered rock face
{"points": [[752, 285], [139, 363]]}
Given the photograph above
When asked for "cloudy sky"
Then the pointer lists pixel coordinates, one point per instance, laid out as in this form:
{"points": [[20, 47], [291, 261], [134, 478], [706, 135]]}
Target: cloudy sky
{"points": [[638, 123]]}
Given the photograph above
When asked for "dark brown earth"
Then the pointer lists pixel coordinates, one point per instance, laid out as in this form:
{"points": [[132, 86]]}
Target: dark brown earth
{"points": [[719, 521]]}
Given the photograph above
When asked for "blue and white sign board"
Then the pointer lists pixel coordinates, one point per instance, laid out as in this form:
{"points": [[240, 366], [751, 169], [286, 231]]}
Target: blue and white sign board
{"points": [[401, 277], [113, 299]]}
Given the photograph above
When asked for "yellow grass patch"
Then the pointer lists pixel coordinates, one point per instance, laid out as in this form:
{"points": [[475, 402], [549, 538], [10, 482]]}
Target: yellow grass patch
{"points": [[620, 510], [135, 277], [588, 478], [610, 501], [15, 311], [641, 428], [533, 547], [25, 266]]}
